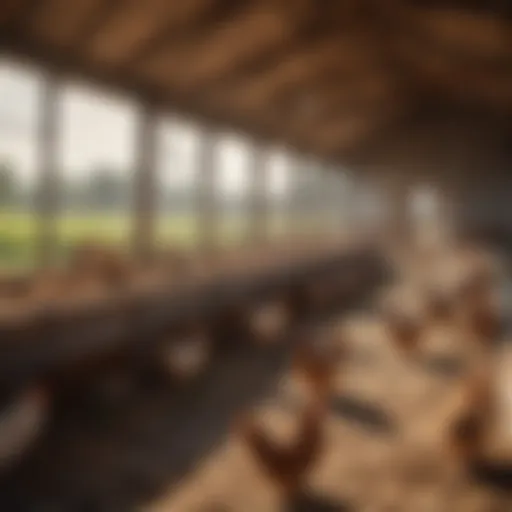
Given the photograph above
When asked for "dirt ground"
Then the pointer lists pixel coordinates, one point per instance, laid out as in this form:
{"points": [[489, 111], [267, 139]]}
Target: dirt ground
{"points": [[167, 448]]}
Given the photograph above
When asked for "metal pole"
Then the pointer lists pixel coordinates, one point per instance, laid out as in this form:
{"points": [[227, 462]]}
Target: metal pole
{"points": [[145, 185], [47, 193]]}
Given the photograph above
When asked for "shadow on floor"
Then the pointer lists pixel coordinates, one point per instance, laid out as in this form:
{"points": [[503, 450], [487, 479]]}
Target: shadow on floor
{"points": [[364, 414], [116, 459], [444, 366], [496, 475]]}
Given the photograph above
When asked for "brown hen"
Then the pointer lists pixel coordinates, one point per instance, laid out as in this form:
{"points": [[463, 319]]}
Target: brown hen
{"points": [[469, 431], [484, 321], [287, 465], [316, 365], [404, 331]]}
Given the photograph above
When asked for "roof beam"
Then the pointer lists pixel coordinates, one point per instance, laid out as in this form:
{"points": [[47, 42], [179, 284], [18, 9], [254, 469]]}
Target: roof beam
{"points": [[21, 14], [96, 22], [309, 30], [431, 27], [334, 86], [437, 68], [498, 8], [303, 71], [218, 11], [344, 114]]}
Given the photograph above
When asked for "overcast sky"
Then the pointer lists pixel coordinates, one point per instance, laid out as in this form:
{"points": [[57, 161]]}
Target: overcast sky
{"points": [[98, 129]]}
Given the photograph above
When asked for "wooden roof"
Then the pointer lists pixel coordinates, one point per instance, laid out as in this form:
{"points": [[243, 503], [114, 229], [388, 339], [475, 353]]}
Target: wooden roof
{"points": [[325, 76]]}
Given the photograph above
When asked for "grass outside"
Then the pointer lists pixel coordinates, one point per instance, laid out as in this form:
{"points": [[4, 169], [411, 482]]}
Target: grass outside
{"points": [[18, 233]]}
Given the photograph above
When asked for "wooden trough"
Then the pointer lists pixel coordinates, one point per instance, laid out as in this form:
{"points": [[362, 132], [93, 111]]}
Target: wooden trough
{"points": [[53, 338]]}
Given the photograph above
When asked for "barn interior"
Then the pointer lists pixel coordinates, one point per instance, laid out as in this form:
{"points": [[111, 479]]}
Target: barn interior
{"points": [[370, 344]]}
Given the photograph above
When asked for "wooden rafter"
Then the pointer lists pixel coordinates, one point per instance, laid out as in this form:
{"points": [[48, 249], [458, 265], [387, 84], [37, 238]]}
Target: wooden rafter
{"points": [[331, 65], [445, 32], [218, 11], [19, 13], [307, 72], [308, 31], [96, 22]]}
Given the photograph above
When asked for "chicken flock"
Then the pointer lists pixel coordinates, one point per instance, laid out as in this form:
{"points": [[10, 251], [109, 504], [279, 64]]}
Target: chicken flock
{"points": [[456, 292], [408, 315]]}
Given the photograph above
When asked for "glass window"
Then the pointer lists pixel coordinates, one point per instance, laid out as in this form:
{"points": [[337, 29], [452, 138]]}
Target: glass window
{"points": [[97, 157], [177, 166], [279, 181], [19, 101], [232, 186]]}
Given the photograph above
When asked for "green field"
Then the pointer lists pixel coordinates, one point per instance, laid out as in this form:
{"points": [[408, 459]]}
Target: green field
{"points": [[18, 233]]}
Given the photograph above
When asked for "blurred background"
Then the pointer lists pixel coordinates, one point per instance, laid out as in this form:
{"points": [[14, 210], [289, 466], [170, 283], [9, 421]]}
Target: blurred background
{"points": [[211, 206]]}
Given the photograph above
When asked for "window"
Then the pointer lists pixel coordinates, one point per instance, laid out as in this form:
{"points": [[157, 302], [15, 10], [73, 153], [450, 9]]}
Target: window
{"points": [[232, 187], [177, 174], [19, 101], [279, 192], [97, 158]]}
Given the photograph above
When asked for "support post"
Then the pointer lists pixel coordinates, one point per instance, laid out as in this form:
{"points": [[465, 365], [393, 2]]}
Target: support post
{"points": [[259, 212], [326, 199], [333, 198], [208, 214], [47, 193], [398, 190], [145, 185]]}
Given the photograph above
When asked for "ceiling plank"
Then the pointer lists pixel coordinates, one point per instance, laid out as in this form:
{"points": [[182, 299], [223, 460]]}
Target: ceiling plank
{"points": [[217, 12], [478, 37], [136, 23], [370, 84], [342, 101], [334, 18], [60, 22], [189, 64], [439, 74], [333, 60], [472, 40], [257, 29], [356, 113], [96, 22], [16, 13], [491, 8]]}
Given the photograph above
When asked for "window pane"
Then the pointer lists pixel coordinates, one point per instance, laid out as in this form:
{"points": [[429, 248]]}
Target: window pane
{"points": [[97, 151], [177, 165], [279, 192], [19, 100], [232, 185]]}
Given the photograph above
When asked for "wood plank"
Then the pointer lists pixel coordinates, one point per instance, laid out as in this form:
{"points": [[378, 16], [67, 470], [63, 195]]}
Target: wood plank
{"points": [[257, 31], [10, 11], [330, 57], [137, 23], [60, 22], [217, 12]]}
